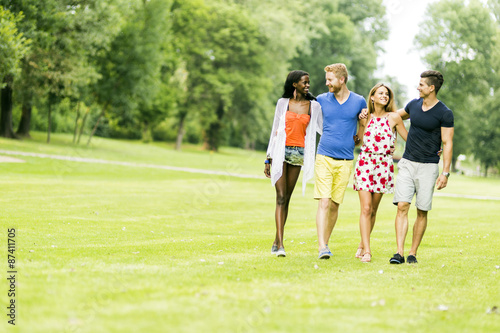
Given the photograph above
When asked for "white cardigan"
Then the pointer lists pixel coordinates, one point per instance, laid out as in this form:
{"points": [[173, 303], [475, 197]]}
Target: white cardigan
{"points": [[276, 147]]}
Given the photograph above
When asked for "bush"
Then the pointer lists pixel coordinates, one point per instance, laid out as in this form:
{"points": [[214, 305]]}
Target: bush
{"points": [[165, 131]]}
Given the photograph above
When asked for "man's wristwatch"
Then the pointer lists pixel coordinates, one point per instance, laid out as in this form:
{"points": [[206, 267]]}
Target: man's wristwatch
{"points": [[446, 174]]}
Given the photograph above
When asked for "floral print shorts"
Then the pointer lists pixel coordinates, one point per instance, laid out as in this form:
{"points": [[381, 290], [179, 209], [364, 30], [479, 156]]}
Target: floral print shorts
{"points": [[294, 155]]}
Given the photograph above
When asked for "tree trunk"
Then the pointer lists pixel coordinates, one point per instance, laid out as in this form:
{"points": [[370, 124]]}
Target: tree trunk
{"points": [[76, 121], [180, 131], [82, 127], [25, 123], [146, 133], [49, 124], [6, 129], [96, 124], [248, 143], [52, 100], [214, 130], [454, 164]]}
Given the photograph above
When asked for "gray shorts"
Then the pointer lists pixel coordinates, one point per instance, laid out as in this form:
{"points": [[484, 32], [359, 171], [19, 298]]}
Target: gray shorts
{"points": [[416, 178]]}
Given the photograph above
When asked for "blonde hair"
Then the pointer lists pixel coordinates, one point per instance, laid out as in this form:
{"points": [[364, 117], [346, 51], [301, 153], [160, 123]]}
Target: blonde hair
{"points": [[340, 70], [389, 107]]}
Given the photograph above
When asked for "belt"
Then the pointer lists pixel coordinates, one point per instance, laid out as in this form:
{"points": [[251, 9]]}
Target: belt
{"points": [[340, 159]]}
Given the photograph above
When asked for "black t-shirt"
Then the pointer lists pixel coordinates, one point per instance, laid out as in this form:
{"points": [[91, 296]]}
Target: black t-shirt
{"points": [[424, 136]]}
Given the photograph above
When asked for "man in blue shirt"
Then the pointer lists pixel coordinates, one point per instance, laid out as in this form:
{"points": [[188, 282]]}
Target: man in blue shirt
{"points": [[334, 160], [431, 125]]}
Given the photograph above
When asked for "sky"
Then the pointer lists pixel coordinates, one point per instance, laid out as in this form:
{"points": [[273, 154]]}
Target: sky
{"points": [[401, 59]]}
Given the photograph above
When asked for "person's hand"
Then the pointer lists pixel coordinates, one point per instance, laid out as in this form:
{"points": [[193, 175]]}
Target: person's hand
{"points": [[356, 140], [441, 182], [363, 114], [267, 170], [392, 150], [439, 152]]}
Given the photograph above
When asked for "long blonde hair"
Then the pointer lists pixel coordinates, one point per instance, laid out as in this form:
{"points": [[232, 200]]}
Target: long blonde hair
{"points": [[391, 105]]}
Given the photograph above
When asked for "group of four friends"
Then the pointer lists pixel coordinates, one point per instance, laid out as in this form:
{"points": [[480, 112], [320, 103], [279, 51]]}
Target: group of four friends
{"points": [[344, 120]]}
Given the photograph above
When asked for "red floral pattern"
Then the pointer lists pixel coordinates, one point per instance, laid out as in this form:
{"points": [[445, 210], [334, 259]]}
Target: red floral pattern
{"points": [[374, 170]]}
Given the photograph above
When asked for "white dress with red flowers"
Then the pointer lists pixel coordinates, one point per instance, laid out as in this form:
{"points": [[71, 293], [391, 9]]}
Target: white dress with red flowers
{"points": [[374, 170]]}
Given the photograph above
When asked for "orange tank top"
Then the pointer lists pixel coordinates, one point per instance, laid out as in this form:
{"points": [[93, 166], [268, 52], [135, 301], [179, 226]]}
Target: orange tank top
{"points": [[295, 128]]}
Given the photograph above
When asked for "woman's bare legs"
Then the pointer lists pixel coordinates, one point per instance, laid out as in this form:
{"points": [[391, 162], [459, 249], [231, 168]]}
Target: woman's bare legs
{"points": [[369, 203], [284, 190]]}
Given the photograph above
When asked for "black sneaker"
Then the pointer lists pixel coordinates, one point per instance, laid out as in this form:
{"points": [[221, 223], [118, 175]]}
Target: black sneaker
{"points": [[411, 259], [397, 259]]}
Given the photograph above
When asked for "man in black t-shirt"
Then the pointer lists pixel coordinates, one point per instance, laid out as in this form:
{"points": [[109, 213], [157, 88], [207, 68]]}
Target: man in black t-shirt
{"points": [[431, 126]]}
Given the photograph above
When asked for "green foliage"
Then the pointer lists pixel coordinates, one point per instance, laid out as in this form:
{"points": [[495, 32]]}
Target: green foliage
{"points": [[348, 33], [223, 48], [64, 38], [460, 40], [486, 128], [217, 66], [13, 44], [132, 85]]}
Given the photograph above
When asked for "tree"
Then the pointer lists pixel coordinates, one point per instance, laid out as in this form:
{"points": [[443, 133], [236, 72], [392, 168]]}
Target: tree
{"points": [[458, 39], [252, 109], [131, 69], [64, 36], [14, 46], [347, 32], [155, 96], [486, 126], [494, 6], [217, 66], [223, 51]]}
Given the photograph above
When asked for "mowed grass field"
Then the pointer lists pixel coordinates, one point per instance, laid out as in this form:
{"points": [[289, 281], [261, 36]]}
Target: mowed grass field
{"points": [[133, 248]]}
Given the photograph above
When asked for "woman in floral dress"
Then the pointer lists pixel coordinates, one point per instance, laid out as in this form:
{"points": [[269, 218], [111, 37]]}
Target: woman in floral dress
{"points": [[374, 172]]}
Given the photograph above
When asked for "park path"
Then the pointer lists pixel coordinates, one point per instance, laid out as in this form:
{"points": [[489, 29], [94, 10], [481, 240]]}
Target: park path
{"points": [[130, 164], [181, 169]]}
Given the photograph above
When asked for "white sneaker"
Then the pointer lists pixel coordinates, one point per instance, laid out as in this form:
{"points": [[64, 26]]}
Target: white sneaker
{"points": [[281, 252], [325, 253]]}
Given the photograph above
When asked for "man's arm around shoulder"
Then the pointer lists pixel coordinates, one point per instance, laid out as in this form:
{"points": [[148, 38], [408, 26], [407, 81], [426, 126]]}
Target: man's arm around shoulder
{"points": [[402, 113]]}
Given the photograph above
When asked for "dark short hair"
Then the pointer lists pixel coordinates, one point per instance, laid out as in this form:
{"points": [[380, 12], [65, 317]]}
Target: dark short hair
{"points": [[433, 78]]}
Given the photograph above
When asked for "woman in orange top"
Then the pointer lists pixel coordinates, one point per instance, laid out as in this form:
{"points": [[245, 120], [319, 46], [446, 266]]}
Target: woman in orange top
{"points": [[292, 145]]}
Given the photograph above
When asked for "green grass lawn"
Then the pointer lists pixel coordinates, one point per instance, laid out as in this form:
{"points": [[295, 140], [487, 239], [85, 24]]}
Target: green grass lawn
{"points": [[114, 248]]}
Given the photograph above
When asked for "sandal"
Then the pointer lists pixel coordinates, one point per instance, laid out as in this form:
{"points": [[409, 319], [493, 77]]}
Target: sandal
{"points": [[358, 253], [367, 257]]}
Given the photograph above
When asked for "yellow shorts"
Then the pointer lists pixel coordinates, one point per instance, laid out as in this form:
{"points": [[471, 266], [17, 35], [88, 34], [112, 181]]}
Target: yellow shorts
{"points": [[332, 177]]}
